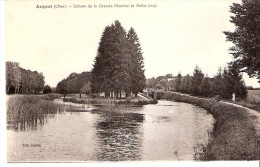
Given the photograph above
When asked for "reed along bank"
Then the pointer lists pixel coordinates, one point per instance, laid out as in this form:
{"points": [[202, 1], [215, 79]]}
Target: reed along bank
{"points": [[29, 110]]}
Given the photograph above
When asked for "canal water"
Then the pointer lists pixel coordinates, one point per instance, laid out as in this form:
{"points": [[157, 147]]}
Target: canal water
{"points": [[165, 131]]}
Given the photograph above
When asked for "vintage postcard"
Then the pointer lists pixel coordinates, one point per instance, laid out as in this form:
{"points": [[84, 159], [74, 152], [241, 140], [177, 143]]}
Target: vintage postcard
{"points": [[131, 81]]}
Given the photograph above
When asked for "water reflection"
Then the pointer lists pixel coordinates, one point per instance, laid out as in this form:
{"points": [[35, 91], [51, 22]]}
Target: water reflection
{"points": [[120, 135], [166, 131], [173, 131]]}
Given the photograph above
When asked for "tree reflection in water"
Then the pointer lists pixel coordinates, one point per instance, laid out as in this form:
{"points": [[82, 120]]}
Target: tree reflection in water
{"points": [[119, 135]]}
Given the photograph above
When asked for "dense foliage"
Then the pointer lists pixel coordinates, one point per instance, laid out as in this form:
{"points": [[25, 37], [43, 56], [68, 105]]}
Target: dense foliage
{"points": [[246, 37], [19, 80], [75, 83], [47, 89], [119, 64]]}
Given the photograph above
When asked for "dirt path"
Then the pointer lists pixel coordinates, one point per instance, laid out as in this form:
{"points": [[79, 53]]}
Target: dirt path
{"points": [[142, 96]]}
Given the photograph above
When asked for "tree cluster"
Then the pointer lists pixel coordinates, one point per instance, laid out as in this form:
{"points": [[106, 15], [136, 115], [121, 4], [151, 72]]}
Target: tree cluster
{"points": [[119, 64], [246, 37], [75, 83], [166, 82], [47, 89], [19, 80], [226, 82]]}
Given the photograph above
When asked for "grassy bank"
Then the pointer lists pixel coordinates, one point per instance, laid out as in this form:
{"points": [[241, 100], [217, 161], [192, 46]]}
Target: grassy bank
{"points": [[29, 110], [234, 136], [51, 96], [252, 100]]}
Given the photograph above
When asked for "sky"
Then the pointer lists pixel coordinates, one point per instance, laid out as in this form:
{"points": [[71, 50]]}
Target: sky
{"points": [[175, 36]]}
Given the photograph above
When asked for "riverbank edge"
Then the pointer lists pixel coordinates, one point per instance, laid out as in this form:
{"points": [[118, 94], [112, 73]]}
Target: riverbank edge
{"points": [[234, 135], [95, 101]]}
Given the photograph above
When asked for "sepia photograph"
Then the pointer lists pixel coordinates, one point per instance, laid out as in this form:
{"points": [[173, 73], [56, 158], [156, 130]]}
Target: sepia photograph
{"points": [[130, 81]]}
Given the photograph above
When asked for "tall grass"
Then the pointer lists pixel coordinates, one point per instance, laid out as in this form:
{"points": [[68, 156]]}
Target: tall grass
{"points": [[234, 136], [253, 96], [29, 110]]}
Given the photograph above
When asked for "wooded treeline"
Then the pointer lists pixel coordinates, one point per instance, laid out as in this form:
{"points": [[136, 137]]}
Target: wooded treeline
{"points": [[226, 82], [75, 83], [119, 64], [19, 80]]}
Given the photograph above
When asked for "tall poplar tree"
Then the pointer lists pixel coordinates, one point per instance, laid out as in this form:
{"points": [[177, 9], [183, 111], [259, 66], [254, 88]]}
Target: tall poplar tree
{"points": [[100, 72], [121, 73], [196, 81], [179, 82], [136, 63]]}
